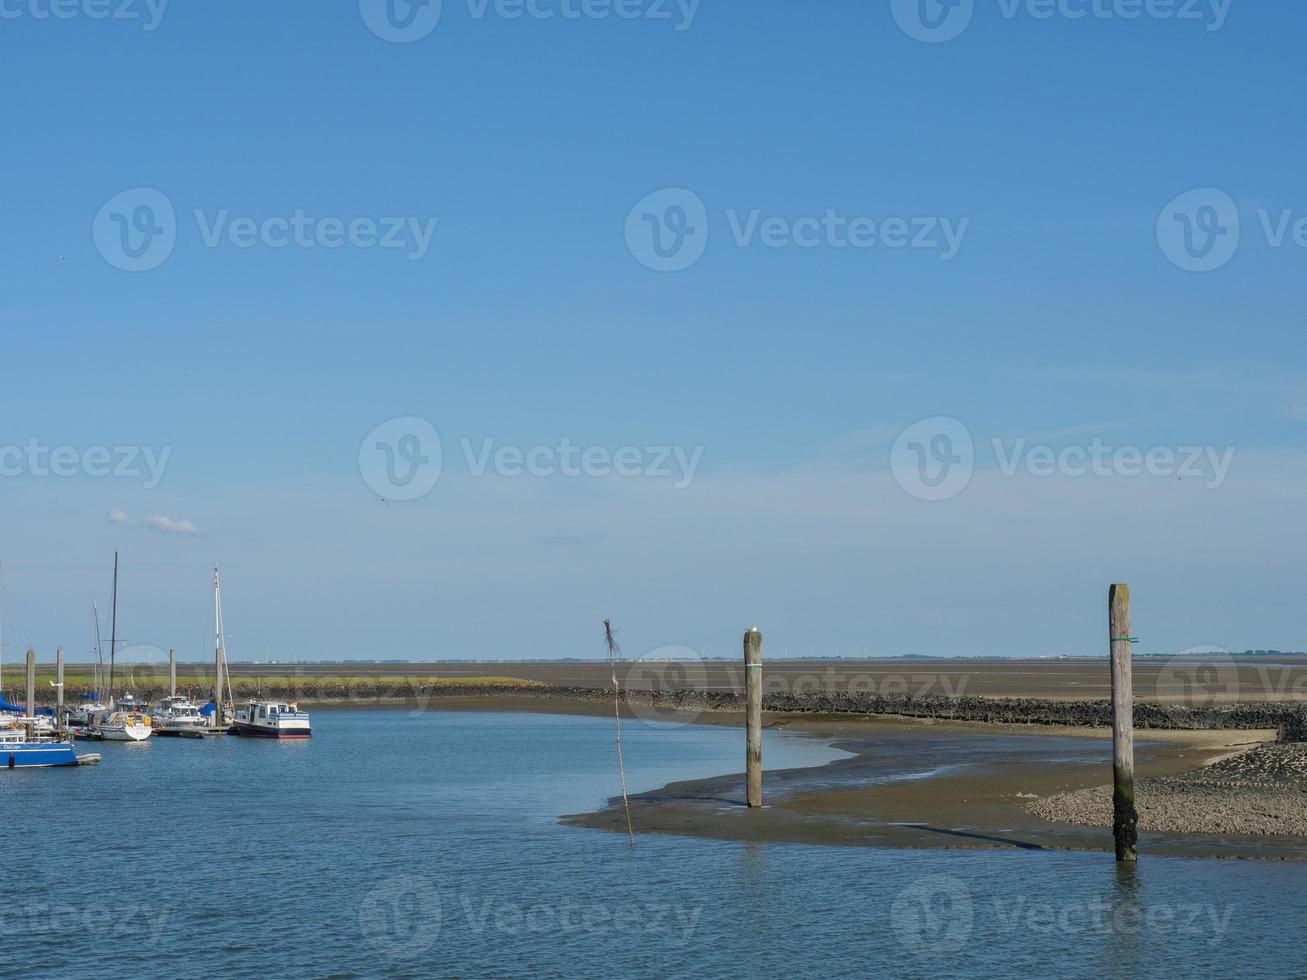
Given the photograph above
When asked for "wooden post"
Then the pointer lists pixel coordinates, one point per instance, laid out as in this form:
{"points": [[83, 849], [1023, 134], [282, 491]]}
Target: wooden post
{"points": [[172, 673], [753, 715], [31, 689], [1124, 816], [59, 690]]}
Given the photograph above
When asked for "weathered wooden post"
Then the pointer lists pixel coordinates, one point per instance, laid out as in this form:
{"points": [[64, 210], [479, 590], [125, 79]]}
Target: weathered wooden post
{"points": [[59, 689], [753, 715], [31, 690], [172, 673], [1124, 816]]}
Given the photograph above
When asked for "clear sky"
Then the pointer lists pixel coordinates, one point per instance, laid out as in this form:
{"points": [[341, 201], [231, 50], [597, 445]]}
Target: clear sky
{"points": [[1037, 162]]}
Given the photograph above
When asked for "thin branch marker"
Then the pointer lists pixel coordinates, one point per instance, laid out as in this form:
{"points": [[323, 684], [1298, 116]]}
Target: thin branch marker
{"points": [[613, 651]]}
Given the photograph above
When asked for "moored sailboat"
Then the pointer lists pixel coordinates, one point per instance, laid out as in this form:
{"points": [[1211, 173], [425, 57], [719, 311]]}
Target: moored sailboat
{"points": [[127, 722], [218, 712]]}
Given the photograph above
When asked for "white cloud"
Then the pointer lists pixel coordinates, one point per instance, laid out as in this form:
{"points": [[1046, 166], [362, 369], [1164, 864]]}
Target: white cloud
{"points": [[169, 526], [166, 525]]}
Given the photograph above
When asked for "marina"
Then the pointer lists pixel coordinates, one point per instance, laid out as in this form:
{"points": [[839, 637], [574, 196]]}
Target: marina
{"points": [[41, 736]]}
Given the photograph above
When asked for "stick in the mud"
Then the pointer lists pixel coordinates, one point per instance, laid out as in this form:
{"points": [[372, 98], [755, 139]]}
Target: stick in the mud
{"points": [[31, 690], [753, 715], [1124, 816], [613, 651], [59, 690], [172, 673]]}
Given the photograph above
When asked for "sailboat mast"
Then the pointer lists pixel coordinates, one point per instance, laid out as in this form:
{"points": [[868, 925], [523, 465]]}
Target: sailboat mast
{"points": [[217, 651], [99, 654], [2, 626], [113, 627]]}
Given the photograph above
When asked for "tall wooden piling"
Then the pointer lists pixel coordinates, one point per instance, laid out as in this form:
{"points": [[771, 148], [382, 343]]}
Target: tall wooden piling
{"points": [[753, 715], [59, 689], [172, 673], [31, 690], [1124, 816]]}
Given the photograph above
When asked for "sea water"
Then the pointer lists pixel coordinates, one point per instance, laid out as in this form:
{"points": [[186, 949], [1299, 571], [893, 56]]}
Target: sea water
{"points": [[402, 843]]}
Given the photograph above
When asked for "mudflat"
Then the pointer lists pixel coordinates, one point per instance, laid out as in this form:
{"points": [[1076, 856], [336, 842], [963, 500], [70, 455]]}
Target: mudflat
{"points": [[922, 783], [964, 785]]}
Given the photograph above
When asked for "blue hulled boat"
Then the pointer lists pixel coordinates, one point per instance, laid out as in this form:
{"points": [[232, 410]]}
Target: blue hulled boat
{"points": [[17, 751]]}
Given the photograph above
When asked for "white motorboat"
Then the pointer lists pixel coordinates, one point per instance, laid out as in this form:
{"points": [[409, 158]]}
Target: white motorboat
{"points": [[179, 716], [272, 719]]}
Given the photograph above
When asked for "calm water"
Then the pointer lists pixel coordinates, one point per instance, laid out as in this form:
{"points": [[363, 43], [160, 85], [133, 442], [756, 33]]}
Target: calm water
{"points": [[417, 846]]}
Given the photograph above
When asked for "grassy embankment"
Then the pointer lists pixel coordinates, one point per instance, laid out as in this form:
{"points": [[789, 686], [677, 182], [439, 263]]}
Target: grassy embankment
{"points": [[151, 683]]}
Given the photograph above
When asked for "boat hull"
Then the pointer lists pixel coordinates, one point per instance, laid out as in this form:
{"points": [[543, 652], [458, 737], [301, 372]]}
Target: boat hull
{"points": [[37, 756], [259, 731], [132, 733]]}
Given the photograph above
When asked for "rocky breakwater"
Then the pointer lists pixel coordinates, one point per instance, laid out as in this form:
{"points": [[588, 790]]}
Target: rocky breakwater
{"points": [[1021, 711]]}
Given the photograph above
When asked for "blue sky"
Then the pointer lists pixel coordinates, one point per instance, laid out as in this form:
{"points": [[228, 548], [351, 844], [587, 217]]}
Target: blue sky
{"points": [[1056, 142]]}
